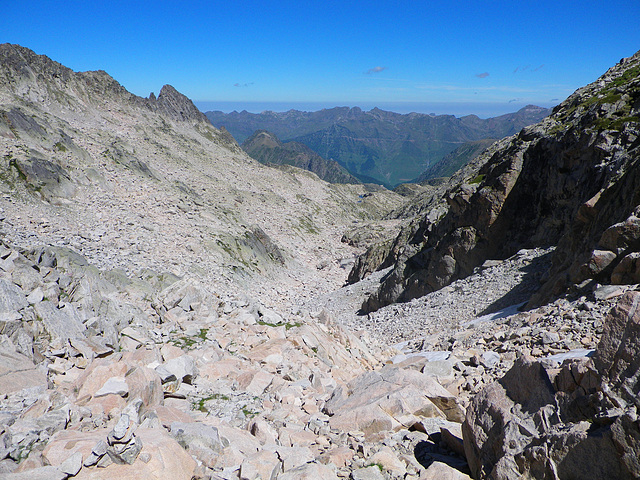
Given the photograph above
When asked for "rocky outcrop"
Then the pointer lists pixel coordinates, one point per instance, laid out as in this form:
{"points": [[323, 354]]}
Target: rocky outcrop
{"points": [[177, 106], [580, 420], [563, 181], [48, 179]]}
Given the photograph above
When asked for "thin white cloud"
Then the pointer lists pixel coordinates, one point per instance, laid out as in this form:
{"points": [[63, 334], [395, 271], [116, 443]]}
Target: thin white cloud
{"points": [[375, 70]]}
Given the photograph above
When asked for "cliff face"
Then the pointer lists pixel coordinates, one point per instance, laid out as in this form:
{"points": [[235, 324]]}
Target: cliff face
{"points": [[561, 182]]}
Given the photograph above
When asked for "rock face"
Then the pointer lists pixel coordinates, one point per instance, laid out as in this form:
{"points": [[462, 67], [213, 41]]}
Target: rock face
{"points": [[578, 421], [564, 181], [178, 107]]}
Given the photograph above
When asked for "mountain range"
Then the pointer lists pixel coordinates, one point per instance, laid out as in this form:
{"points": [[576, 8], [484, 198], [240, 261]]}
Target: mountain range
{"points": [[389, 147]]}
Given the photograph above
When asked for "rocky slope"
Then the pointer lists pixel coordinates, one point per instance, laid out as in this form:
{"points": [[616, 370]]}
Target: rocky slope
{"points": [[268, 149], [88, 165], [569, 180], [386, 146]]}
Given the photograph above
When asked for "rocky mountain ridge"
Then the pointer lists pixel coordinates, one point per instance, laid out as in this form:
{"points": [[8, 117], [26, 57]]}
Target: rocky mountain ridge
{"points": [[387, 146]]}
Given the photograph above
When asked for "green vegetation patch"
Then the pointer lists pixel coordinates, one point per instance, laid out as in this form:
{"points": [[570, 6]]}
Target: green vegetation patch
{"points": [[477, 179], [287, 326], [628, 75], [187, 343], [249, 413], [617, 124], [200, 404]]}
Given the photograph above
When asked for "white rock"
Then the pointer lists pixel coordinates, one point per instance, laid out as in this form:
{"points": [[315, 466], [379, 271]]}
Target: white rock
{"points": [[113, 386]]}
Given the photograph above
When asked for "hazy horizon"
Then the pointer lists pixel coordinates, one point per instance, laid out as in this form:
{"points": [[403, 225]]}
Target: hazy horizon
{"points": [[482, 110], [427, 57]]}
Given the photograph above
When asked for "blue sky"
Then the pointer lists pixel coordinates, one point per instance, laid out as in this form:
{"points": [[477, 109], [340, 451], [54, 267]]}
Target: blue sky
{"points": [[485, 57]]}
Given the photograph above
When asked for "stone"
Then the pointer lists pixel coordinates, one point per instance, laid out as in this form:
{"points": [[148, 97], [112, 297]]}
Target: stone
{"points": [[368, 473], [166, 459], [52, 182], [41, 473], [255, 383], [72, 465], [133, 410], [293, 457], [452, 437], [63, 323], [183, 367], [67, 443], [120, 430], [35, 296], [489, 359], [309, 471], [202, 441], [627, 271], [338, 456], [32, 380], [617, 357], [389, 399], [549, 338], [17, 371], [442, 471], [113, 386], [264, 432], [165, 375], [169, 415], [260, 465], [621, 236], [12, 299], [531, 424], [389, 461], [135, 335], [607, 292], [125, 453]]}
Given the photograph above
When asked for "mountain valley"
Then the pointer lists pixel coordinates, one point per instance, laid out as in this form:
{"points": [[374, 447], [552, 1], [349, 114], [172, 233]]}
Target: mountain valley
{"points": [[172, 308], [377, 146]]}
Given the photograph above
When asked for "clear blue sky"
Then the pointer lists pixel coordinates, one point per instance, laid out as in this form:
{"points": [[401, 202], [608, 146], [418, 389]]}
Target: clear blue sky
{"points": [[455, 56]]}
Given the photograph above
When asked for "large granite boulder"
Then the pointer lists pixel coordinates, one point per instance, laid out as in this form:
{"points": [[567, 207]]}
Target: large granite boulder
{"points": [[578, 421], [389, 400]]}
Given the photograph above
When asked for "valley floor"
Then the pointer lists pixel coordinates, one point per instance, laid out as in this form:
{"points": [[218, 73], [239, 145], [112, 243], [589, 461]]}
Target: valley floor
{"points": [[248, 391]]}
